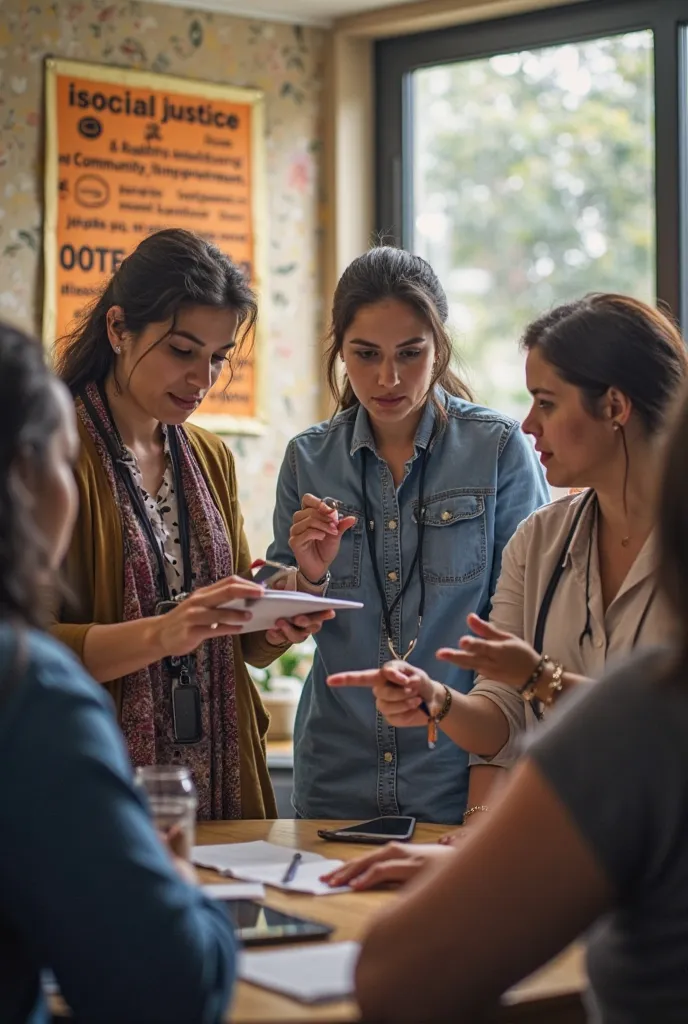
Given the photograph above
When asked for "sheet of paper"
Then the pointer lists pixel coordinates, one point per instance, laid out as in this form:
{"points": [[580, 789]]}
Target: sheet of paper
{"points": [[285, 604], [227, 857], [267, 863], [235, 891], [309, 973], [306, 880]]}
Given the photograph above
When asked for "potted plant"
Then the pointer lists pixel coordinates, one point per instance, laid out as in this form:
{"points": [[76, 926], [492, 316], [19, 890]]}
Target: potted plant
{"points": [[280, 687]]}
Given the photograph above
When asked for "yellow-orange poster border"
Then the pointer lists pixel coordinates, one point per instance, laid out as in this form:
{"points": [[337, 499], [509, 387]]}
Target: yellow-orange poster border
{"points": [[115, 75]]}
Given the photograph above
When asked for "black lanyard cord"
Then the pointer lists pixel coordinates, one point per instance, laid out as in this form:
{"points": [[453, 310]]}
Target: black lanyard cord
{"points": [[124, 473], [388, 610]]}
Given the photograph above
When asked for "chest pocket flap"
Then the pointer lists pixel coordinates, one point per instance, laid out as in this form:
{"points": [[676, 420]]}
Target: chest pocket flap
{"points": [[455, 542], [448, 508]]}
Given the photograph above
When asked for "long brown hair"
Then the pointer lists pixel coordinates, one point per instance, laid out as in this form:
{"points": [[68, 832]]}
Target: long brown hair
{"points": [[168, 270], [606, 340], [388, 273], [29, 416]]}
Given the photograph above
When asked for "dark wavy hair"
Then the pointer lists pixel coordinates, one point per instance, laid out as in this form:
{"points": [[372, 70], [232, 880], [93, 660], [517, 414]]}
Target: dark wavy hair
{"points": [[607, 340], [167, 271], [29, 416], [388, 273]]}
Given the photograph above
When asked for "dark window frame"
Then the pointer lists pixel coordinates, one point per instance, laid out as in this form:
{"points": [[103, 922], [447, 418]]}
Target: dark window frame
{"points": [[396, 59]]}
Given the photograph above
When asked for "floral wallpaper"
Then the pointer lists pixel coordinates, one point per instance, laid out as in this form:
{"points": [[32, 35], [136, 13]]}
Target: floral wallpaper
{"points": [[283, 60]]}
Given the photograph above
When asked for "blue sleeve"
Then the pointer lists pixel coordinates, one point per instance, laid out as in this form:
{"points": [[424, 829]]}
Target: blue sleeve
{"points": [[521, 489], [287, 502], [83, 876]]}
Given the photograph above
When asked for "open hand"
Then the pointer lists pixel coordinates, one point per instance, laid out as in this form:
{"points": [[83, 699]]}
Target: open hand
{"points": [[493, 653], [393, 862]]}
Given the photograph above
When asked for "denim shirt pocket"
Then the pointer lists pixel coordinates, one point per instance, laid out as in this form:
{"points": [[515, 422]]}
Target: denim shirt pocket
{"points": [[455, 536], [345, 570]]}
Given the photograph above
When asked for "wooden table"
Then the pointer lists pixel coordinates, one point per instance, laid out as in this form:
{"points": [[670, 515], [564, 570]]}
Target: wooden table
{"points": [[551, 996]]}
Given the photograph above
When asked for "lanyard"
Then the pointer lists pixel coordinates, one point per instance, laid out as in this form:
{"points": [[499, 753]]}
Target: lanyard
{"points": [[388, 610], [136, 499], [554, 581]]}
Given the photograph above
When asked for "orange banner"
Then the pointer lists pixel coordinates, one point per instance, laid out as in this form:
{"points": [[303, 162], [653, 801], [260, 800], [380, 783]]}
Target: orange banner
{"points": [[129, 153]]}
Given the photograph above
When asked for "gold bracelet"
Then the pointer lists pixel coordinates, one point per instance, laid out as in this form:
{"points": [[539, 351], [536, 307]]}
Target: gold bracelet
{"points": [[556, 685], [474, 810], [531, 682]]}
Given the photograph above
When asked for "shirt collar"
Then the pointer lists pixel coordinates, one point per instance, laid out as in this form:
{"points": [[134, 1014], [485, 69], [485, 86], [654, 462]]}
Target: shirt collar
{"points": [[363, 431], [583, 536]]}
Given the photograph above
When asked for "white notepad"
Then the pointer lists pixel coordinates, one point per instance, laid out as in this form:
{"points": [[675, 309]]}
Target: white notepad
{"points": [[285, 604], [267, 863], [235, 891], [309, 973]]}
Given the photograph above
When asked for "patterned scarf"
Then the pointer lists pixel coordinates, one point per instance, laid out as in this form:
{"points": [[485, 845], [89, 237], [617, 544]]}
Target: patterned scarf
{"points": [[146, 706]]}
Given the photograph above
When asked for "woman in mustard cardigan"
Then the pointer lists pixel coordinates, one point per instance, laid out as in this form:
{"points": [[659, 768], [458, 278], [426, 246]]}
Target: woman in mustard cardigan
{"points": [[159, 543]]}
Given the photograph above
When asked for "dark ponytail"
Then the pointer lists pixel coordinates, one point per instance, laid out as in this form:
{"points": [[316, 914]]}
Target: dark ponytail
{"points": [[607, 340]]}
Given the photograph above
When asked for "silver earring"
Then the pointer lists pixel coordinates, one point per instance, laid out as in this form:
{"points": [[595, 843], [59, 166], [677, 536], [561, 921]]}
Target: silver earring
{"points": [[118, 349], [617, 426]]}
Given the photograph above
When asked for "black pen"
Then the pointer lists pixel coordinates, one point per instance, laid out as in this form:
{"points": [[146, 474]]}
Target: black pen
{"points": [[291, 870]]}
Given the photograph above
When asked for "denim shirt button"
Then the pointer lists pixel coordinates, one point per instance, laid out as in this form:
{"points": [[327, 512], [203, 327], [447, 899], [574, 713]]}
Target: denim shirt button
{"points": [[392, 576], [389, 757], [392, 524]]}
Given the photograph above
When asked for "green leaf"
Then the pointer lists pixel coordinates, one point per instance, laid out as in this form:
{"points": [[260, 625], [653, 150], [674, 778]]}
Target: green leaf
{"points": [[289, 662]]}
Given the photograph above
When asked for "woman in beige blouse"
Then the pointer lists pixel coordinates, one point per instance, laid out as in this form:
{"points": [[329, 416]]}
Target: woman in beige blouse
{"points": [[602, 372]]}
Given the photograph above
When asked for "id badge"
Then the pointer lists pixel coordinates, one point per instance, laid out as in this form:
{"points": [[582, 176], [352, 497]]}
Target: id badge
{"points": [[186, 708]]}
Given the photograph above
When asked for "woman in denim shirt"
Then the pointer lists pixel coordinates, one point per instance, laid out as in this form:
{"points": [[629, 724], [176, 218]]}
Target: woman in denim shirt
{"points": [[405, 427]]}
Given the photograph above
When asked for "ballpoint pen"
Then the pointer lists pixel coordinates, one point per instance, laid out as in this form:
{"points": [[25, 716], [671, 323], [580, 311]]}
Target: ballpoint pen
{"points": [[291, 870]]}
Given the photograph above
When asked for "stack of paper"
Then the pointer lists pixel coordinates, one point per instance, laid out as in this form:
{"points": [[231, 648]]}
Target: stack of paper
{"points": [[268, 863], [310, 974]]}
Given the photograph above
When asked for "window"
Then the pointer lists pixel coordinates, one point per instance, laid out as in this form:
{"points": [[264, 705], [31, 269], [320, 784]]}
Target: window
{"points": [[533, 174]]}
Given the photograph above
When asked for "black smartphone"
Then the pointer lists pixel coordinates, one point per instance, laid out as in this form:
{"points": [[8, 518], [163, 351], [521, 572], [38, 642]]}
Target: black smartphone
{"points": [[379, 830], [257, 925], [186, 713]]}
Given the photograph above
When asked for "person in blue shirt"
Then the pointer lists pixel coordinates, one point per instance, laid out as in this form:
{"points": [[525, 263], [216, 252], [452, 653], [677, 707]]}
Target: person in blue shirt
{"points": [[404, 501], [87, 890]]}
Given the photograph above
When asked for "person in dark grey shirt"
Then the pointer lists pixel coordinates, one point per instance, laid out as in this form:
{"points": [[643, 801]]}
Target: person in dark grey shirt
{"points": [[589, 838], [618, 761]]}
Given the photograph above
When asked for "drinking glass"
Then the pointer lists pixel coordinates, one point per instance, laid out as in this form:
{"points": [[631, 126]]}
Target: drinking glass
{"points": [[172, 800]]}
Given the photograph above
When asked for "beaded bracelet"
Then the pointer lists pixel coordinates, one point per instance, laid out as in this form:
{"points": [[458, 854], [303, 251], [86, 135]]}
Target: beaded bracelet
{"points": [[556, 685], [526, 690]]}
